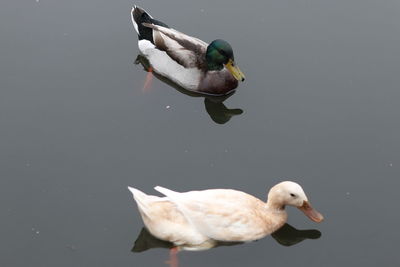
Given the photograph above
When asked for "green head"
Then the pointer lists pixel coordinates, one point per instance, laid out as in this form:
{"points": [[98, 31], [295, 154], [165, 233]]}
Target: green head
{"points": [[219, 54]]}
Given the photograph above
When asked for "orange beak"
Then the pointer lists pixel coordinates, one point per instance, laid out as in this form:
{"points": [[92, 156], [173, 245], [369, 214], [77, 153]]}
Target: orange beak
{"points": [[310, 212]]}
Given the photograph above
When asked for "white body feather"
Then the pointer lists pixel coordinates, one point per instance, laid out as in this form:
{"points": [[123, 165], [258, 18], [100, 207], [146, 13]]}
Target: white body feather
{"points": [[165, 222], [162, 64], [222, 214]]}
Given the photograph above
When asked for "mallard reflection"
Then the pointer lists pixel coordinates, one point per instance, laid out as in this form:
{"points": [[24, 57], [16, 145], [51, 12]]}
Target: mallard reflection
{"points": [[214, 106], [287, 235]]}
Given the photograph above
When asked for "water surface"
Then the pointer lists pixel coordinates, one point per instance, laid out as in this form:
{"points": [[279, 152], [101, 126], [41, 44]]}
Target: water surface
{"points": [[320, 107]]}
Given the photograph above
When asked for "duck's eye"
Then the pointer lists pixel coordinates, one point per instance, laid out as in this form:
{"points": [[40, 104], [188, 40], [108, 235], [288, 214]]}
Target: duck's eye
{"points": [[222, 52], [293, 195]]}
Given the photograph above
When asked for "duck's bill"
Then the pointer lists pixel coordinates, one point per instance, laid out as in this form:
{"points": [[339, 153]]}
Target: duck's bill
{"points": [[234, 70], [310, 212]]}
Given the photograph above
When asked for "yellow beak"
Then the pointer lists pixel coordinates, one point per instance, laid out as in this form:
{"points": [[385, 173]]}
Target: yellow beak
{"points": [[234, 70]]}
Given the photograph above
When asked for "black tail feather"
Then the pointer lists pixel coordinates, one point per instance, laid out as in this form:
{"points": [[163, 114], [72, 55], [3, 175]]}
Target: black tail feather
{"points": [[140, 16]]}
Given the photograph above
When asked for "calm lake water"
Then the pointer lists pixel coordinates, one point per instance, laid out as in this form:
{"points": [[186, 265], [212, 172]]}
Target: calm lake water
{"points": [[320, 106]]}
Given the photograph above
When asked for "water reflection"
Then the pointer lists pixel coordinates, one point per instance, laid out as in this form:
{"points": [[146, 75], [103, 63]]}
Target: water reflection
{"points": [[214, 106], [287, 235]]}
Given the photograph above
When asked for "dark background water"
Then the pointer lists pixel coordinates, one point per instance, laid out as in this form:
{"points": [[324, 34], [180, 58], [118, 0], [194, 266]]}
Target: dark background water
{"points": [[321, 107]]}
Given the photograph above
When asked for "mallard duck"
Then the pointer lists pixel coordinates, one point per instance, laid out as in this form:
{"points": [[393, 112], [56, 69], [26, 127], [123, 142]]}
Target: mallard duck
{"points": [[185, 60], [199, 219]]}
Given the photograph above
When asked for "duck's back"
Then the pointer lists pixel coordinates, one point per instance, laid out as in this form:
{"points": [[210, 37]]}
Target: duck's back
{"points": [[224, 214], [164, 220]]}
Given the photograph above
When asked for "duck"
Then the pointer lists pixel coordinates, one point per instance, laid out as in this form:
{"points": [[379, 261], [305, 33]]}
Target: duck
{"points": [[193, 64], [199, 220]]}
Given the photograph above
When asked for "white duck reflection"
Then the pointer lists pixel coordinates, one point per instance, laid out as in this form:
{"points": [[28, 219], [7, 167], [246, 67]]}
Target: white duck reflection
{"points": [[287, 236]]}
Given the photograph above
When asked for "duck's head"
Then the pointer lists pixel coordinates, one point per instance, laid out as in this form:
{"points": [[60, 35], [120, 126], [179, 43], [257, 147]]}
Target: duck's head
{"points": [[291, 193], [219, 54]]}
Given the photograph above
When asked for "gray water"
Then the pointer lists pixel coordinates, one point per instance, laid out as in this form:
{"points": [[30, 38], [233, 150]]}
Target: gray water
{"points": [[320, 107]]}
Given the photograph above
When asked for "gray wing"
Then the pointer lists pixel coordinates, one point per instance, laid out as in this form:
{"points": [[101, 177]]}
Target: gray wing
{"points": [[186, 50]]}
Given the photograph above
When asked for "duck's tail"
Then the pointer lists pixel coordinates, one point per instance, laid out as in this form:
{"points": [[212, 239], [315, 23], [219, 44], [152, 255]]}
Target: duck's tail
{"points": [[140, 198], [144, 201], [165, 191], [140, 16], [138, 195]]}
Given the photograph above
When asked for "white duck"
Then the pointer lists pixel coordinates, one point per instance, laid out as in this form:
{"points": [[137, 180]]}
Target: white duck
{"points": [[198, 219]]}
